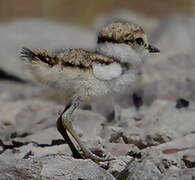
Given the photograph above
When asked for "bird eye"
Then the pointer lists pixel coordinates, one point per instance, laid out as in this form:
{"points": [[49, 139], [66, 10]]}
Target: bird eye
{"points": [[139, 41]]}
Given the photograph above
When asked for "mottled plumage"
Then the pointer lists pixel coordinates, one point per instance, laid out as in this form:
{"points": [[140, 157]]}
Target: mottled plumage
{"points": [[75, 58], [83, 75]]}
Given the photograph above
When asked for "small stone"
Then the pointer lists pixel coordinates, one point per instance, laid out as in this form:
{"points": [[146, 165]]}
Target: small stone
{"points": [[135, 154], [182, 103], [189, 160], [27, 155], [118, 165]]}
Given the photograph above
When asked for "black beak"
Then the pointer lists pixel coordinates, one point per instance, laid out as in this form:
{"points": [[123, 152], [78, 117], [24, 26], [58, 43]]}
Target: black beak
{"points": [[153, 49]]}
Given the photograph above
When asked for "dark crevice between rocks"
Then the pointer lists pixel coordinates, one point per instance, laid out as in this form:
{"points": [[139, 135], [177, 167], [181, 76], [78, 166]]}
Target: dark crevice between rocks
{"points": [[16, 144], [86, 107], [28, 154], [15, 135], [6, 76], [57, 142], [110, 117], [137, 100]]}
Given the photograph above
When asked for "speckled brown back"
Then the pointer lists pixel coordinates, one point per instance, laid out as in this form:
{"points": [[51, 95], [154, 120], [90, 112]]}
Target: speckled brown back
{"points": [[81, 58], [74, 58]]}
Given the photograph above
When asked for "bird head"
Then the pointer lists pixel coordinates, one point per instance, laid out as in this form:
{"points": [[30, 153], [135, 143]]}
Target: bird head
{"points": [[126, 33]]}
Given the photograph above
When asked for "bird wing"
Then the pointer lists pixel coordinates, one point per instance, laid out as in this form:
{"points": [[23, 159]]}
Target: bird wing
{"points": [[103, 67]]}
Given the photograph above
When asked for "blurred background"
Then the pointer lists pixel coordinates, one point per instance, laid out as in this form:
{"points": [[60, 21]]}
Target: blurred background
{"points": [[85, 12], [164, 97]]}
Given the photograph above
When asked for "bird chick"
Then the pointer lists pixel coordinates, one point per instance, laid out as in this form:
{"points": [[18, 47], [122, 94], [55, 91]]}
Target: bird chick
{"points": [[85, 75]]}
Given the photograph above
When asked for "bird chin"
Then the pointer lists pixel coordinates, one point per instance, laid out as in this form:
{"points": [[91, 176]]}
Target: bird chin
{"points": [[143, 53]]}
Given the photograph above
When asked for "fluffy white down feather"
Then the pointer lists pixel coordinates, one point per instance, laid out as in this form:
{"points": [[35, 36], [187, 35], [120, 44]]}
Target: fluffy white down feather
{"points": [[107, 72], [121, 51]]}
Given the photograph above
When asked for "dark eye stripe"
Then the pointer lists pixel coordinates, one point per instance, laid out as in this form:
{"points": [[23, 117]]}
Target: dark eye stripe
{"points": [[128, 41], [103, 40]]}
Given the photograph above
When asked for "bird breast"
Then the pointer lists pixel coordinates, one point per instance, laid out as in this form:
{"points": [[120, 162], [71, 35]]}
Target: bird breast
{"points": [[107, 72]]}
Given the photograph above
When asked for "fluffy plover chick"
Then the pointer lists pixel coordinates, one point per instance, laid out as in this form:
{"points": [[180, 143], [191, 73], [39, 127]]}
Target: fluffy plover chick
{"points": [[85, 75]]}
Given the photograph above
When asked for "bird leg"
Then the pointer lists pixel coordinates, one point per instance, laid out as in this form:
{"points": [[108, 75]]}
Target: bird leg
{"points": [[64, 134], [67, 123]]}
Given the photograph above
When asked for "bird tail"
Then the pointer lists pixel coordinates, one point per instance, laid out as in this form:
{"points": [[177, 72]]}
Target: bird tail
{"points": [[29, 55], [38, 55]]}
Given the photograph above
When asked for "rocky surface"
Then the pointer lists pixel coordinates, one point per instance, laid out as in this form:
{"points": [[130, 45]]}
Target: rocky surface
{"points": [[52, 167], [154, 140]]}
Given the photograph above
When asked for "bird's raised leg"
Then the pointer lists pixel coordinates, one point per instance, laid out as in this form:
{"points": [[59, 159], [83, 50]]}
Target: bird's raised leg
{"points": [[67, 123], [64, 134]]}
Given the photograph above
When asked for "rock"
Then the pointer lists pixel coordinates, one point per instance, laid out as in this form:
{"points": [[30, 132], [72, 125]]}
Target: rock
{"points": [[9, 110], [187, 174], [28, 116], [52, 167], [189, 160], [13, 91], [43, 136], [120, 149], [141, 170], [34, 121], [163, 161], [169, 156], [34, 150], [118, 165], [160, 123], [164, 115]]}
